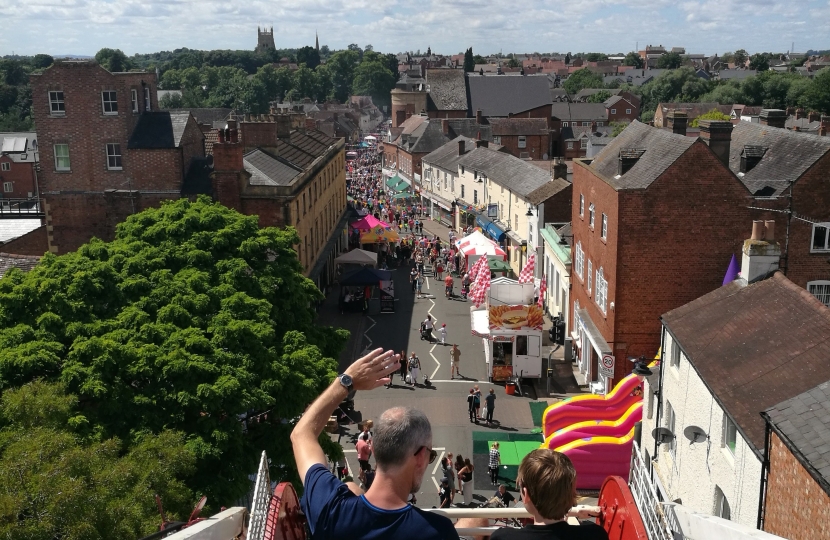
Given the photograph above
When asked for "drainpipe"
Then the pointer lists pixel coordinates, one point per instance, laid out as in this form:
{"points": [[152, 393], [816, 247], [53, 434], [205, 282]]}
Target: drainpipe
{"points": [[762, 497], [659, 414]]}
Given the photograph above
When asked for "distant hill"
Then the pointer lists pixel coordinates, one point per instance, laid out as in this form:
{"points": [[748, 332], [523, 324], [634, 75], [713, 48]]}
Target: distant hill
{"points": [[78, 56]]}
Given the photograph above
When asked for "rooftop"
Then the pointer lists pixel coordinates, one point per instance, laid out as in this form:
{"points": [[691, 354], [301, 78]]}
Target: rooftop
{"points": [[501, 95], [22, 262], [506, 170], [578, 111], [269, 170], [447, 90], [519, 126], [755, 346], [159, 129]]}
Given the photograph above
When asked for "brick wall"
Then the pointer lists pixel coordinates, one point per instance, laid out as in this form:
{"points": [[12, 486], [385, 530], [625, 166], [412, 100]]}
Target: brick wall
{"points": [[797, 507], [620, 114], [536, 146], [558, 207], [32, 243], [21, 176]]}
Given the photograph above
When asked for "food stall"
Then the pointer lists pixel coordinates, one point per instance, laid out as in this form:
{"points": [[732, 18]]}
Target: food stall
{"points": [[510, 325]]}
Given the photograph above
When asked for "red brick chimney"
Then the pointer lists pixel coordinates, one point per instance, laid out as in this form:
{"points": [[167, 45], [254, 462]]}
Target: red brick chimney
{"points": [[677, 121], [824, 126], [593, 127], [227, 166], [812, 116], [773, 118], [717, 134], [799, 113]]}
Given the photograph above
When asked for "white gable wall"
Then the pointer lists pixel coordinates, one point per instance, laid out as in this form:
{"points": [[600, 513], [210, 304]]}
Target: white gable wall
{"points": [[693, 472]]}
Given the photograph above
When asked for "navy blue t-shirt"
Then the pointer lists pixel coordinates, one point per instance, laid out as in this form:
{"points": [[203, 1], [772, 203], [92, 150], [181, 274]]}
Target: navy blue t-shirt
{"points": [[335, 512]]}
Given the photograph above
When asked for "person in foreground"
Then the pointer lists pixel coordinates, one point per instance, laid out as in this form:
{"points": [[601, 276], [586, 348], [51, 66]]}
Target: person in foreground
{"points": [[402, 445], [547, 483]]}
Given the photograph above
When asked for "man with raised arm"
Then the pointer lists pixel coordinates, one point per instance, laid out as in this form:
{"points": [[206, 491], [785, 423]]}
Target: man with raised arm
{"points": [[402, 445]]}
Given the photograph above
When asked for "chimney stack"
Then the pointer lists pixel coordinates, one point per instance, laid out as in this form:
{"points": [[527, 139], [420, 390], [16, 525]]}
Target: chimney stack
{"points": [[799, 113], [812, 116], [593, 127], [824, 126], [461, 147], [445, 126], [677, 121], [717, 134], [478, 116], [773, 118], [761, 254], [560, 169], [480, 143]]}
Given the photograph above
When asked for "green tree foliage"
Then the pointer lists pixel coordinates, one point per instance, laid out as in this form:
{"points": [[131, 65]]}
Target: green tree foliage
{"points": [[113, 60], [478, 59], [342, 66], [374, 79], [618, 127], [599, 97], [633, 59], [304, 83], [190, 318], [759, 62], [14, 73], [671, 60], [59, 479], [740, 57], [595, 57], [513, 63], [469, 60], [42, 61], [714, 114], [308, 56], [582, 78]]}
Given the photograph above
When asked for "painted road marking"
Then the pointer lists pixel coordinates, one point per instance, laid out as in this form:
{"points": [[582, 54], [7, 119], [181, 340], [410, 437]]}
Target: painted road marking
{"points": [[435, 469], [437, 367]]}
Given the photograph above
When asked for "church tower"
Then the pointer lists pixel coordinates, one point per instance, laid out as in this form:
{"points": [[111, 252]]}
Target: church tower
{"points": [[265, 40]]}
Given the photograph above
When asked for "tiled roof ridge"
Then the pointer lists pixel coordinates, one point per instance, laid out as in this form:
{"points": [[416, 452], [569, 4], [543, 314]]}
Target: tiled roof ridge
{"points": [[18, 256]]}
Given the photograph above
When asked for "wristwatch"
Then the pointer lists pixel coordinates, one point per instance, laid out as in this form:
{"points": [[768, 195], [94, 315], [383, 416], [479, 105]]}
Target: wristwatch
{"points": [[346, 381]]}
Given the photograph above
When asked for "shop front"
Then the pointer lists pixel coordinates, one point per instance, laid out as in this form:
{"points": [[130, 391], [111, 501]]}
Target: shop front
{"points": [[490, 229], [439, 208], [592, 351]]}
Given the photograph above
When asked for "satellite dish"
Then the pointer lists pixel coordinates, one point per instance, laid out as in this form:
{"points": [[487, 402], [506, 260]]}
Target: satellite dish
{"points": [[695, 434], [662, 435]]}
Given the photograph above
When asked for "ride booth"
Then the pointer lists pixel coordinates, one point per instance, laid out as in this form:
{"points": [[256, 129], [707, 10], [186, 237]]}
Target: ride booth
{"points": [[510, 327]]}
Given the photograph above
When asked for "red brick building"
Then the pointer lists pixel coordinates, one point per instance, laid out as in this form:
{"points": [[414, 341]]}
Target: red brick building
{"points": [[106, 151], [656, 218], [522, 137], [18, 161]]}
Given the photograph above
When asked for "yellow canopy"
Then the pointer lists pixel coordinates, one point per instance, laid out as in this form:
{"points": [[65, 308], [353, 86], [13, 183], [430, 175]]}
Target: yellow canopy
{"points": [[379, 234]]}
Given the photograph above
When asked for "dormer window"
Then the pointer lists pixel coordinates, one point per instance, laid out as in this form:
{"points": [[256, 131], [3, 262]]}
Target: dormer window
{"points": [[751, 155]]}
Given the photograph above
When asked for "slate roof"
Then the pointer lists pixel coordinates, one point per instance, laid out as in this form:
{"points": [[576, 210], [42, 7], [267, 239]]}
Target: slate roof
{"points": [[506, 170], [303, 147], [662, 149], [429, 135], [446, 156], [613, 100], [788, 156], [501, 95], [802, 123], [736, 74], [206, 115], [447, 90], [519, 126], [268, 170], [755, 346], [547, 190], [159, 129], [22, 262], [568, 112], [197, 180]]}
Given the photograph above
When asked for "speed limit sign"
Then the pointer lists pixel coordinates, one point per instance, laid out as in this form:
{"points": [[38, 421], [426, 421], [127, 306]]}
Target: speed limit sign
{"points": [[606, 366]]}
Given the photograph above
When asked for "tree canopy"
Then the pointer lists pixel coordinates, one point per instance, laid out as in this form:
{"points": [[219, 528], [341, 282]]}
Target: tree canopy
{"points": [[582, 78], [634, 60], [469, 60], [193, 320], [713, 114], [670, 60]]}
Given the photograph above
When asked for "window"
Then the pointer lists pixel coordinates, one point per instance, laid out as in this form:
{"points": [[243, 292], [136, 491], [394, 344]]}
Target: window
{"points": [[5, 166], [496, 140], [147, 104], [62, 157], [583, 143], [516, 221], [674, 360], [109, 102], [591, 215], [581, 205], [134, 99], [601, 296], [821, 290], [475, 196], [600, 124], [8, 187], [670, 420], [586, 124], [570, 146], [114, 156], [604, 229], [564, 124], [522, 141], [445, 181], [613, 111], [628, 111], [821, 237], [730, 434], [462, 191], [590, 275], [579, 260], [56, 104], [721, 505]]}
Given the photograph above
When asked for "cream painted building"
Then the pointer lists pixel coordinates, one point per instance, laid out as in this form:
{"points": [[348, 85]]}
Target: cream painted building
{"points": [[556, 238]]}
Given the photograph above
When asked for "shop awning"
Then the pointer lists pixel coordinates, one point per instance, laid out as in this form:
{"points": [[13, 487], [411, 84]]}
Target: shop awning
{"points": [[440, 201], [404, 195], [494, 231], [394, 181], [496, 264], [515, 238], [401, 186], [593, 333]]}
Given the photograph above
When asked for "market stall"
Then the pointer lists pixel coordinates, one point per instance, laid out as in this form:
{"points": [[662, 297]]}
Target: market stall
{"points": [[476, 245], [510, 325]]}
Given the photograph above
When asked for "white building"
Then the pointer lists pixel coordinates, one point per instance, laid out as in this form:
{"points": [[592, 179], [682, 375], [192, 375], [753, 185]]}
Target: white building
{"points": [[557, 240], [728, 356]]}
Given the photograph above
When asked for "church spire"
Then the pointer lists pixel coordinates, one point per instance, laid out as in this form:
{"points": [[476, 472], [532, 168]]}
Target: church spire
{"points": [[316, 41]]}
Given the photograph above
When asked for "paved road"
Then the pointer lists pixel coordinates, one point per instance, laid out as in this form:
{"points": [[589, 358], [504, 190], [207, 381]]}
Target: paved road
{"points": [[445, 401]]}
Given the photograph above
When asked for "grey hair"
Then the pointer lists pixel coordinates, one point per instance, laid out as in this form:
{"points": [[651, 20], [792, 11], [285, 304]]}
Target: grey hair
{"points": [[399, 433]]}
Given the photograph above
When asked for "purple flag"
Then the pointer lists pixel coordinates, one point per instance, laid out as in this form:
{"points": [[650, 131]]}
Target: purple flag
{"points": [[732, 271]]}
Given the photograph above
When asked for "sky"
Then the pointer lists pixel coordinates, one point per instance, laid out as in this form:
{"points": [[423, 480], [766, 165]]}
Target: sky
{"points": [[82, 27]]}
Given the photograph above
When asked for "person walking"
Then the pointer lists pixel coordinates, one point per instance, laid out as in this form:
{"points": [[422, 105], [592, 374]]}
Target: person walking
{"points": [[414, 368], [404, 368], [364, 451], [477, 402], [459, 464], [413, 278], [449, 474], [443, 332], [466, 477], [439, 269], [449, 282], [495, 461], [490, 401], [455, 356], [471, 407], [419, 284], [428, 324]]}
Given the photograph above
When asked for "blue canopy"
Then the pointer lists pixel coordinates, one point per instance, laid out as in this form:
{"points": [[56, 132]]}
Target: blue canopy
{"points": [[366, 276], [494, 231]]}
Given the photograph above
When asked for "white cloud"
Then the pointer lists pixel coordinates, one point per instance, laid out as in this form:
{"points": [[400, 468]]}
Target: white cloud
{"points": [[448, 26]]}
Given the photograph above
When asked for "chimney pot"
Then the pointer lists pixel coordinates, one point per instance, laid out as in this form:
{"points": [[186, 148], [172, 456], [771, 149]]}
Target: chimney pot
{"points": [[461, 148], [769, 232], [799, 113], [221, 135], [757, 230], [478, 116], [717, 135]]}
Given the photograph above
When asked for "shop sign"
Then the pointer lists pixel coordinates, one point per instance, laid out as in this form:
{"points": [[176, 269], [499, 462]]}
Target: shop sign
{"points": [[515, 317], [606, 366], [503, 338], [493, 211]]}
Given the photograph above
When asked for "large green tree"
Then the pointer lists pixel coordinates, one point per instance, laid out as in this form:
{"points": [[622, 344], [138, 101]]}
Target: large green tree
{"points": [[582, 78], [342, 66], [469, 60], [670, 60], [192, 320], [113, 60], [374, 79], [740, 57], [634, 60], [308, 56]]}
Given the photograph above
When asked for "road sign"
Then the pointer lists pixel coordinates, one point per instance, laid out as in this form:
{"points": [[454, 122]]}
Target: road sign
{"points": [[606, 366]]}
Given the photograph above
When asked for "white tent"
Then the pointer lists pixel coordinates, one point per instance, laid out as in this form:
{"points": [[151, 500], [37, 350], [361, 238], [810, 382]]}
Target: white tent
{"points": [[370, 138], [358, 256], [476, 244]]}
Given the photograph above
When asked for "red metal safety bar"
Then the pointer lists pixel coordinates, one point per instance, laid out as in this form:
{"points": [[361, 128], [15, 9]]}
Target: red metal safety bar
{"points": [[285, 520], [620, 516]]}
